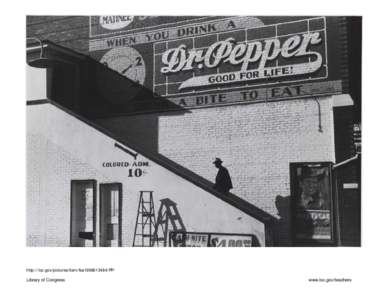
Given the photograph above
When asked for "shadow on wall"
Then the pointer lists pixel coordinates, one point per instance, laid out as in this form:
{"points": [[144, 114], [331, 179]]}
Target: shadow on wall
{"points": [[127, 111], [127, 108], [97, 92], [282, 234], [281, 229], [132, 113]]}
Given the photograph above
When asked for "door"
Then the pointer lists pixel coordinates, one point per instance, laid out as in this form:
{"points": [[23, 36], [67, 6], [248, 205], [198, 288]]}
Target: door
{"points": [[348, 193], [110, 214], [83, 213], [350, 216]]}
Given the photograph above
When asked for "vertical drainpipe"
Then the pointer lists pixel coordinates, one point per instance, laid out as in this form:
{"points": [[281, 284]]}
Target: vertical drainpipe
{"points": [[319, 115], [337, 210]]}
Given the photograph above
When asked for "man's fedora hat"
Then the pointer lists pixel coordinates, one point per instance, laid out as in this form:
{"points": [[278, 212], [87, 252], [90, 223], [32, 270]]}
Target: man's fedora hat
{"points": [[217, 160], [312, 172]]}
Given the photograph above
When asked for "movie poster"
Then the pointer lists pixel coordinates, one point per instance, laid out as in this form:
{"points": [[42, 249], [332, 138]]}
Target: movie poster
{"points": [[312, 203]]}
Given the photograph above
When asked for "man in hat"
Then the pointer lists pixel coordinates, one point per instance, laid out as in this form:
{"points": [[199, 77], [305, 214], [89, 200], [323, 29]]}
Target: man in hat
{"points": [[311, 196], [223, 182]]}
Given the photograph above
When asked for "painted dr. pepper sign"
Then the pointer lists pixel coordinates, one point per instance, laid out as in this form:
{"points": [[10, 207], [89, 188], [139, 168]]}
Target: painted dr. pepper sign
{"points": [[242, 58], [211, 61]]}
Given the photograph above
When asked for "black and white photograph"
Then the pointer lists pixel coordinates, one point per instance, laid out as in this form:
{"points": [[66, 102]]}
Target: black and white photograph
{"points": [[136, 132], [197, 131]]}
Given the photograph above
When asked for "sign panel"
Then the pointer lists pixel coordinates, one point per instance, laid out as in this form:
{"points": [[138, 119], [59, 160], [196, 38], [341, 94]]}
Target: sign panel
{"points": [[312, 204], [258, 95], [106, 25], [208, 61], [357, 137], [221, 240], [193, 29], [242, 58], [189, 239], [202, 239]]}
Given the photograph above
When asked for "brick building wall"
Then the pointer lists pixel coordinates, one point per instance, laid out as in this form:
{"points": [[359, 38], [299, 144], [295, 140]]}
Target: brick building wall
{"points": [[61, 148], [256, 142], [46, 160], [68, 31]]}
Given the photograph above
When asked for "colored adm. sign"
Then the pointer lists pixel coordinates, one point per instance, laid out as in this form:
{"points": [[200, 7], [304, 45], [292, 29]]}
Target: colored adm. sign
{"points": [[260, 53]]}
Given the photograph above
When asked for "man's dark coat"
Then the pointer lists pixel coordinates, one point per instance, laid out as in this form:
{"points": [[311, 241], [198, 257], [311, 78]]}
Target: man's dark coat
{"points": [[223, 182]]}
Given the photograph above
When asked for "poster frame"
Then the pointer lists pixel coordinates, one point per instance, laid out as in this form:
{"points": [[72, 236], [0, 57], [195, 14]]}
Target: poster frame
{"points": [[311, 242]]}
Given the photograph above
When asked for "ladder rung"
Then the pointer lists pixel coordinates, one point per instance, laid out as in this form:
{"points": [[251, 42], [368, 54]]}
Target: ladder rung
{"points": [[148, 214]]}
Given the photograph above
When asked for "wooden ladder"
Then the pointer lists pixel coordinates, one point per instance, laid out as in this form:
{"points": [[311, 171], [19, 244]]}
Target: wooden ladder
{"points": [[168, 215], [145, 221]]}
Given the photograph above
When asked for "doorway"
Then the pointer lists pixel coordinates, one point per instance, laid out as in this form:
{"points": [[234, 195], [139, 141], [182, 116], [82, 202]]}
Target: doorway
{"points": [[83, 213], [110, 214]]}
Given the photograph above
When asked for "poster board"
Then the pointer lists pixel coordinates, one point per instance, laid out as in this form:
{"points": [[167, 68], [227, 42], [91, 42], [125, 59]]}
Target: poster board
{"points": [[208, 239], [312, 205]]}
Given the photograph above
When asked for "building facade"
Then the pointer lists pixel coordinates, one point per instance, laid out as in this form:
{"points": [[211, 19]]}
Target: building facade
{"points": [[271, 96]]}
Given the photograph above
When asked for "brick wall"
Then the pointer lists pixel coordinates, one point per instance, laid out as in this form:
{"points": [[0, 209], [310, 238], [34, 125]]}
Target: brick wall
{"points": [[256, 142], [50, 170], [68, 31], [61, 148]]}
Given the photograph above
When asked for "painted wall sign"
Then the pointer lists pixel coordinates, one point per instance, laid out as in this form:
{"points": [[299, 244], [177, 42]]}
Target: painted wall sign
{"points": [[136, 168], [312, 203], [103, 25], [172, 33], [116, 164], [186, 239], [203, 239], [259, 95], [115, 22], [244, 55], [126, 61], [220, 240], [229, 60], [242, 59]]}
